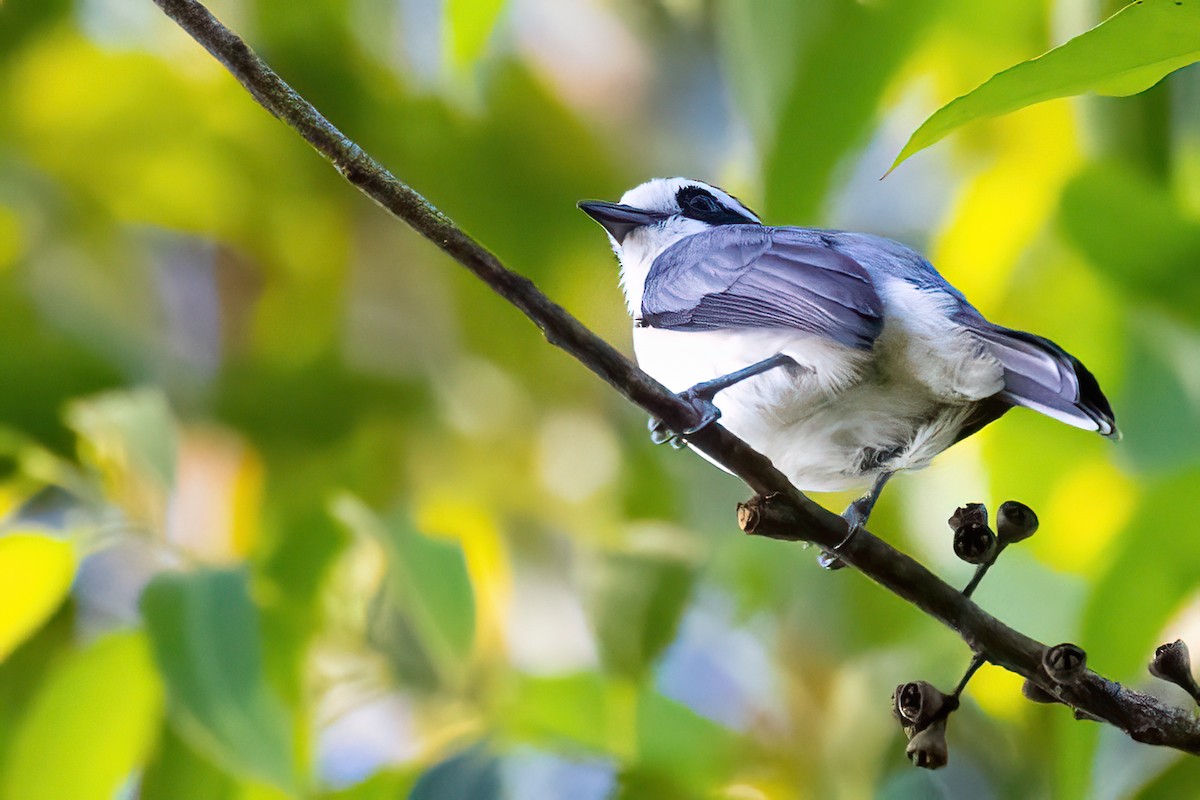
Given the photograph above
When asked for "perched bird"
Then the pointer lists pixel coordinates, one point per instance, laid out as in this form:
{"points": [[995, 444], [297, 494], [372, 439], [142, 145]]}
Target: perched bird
{"points": [[843, 357]]}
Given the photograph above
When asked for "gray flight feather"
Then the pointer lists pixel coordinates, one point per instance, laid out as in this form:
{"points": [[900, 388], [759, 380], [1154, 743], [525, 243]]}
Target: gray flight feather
{"points": [[1039, 374], [750, 276]]}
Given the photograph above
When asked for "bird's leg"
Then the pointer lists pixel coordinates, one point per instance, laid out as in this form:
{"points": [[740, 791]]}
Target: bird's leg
{"points": [[856, 516], [701, 396]]}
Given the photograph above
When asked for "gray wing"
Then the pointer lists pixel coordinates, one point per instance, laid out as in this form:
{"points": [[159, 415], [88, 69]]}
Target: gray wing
{"points": [[749, 276]]}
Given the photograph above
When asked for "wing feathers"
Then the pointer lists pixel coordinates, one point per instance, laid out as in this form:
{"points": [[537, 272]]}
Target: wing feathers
{"points": [[756, 277], [1039, 374]]}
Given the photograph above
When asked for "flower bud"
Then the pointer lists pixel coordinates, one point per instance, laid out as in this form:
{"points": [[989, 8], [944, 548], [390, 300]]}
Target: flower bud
{"points": [[1065, 662], [1015, 522], [974, 544], [927, 748]]}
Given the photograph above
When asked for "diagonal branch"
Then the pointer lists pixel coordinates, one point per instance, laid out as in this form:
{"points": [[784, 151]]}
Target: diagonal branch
{"points": [[781, 511]]}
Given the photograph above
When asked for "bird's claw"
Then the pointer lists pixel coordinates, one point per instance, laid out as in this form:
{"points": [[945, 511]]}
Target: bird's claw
{"points": [[708, 413], [659, 432], [856, 520]]}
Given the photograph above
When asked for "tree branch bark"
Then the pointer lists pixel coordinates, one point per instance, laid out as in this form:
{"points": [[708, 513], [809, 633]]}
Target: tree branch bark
{"points": [[781, 511]]}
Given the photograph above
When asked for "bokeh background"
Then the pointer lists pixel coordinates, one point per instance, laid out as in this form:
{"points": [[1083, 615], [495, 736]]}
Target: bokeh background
{"points": [[395, 542]]}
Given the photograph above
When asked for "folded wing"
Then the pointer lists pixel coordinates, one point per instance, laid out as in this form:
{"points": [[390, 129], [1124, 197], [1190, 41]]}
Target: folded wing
{"points": [[744, 276]]}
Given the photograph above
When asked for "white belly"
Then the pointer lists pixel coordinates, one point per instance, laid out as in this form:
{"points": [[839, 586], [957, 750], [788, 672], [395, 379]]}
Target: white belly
{"points": [[816, 422]]}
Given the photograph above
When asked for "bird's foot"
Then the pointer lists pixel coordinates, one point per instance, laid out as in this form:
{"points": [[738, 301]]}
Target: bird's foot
{"points": [[856, 515], [699, 398]]}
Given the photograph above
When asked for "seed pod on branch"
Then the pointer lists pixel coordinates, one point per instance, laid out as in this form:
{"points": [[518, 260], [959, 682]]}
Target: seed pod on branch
{"points": [[1015, 522], [1173, 663], [1065, 662], [927, 748]]}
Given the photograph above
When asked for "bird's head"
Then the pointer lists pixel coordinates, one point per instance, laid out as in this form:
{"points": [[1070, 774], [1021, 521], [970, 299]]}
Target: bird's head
{"points": [[652, 217], [661, 211]]}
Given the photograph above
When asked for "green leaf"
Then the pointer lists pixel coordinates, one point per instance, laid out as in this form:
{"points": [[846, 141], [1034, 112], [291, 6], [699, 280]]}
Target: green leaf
{"points": [[206, 636], [1152, 573], [1107, 201], [760, 42], [675, 742], [90, 726], [576, 709], [177, 772], [1159, 405], [428, 587], [293, 574], [469, 25], [636, 603], [1126, 54], [386, 785]]}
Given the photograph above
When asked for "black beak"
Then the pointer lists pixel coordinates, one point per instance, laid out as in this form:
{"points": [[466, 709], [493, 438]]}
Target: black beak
{"points": [[617, 219]]}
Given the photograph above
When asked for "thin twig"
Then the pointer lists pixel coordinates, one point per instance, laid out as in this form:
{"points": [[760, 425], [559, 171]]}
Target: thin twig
{"points": [[977, 661], [792, 515]]}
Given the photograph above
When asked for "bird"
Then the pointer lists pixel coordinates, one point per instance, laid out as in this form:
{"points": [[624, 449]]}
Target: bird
{"points": [[843, 357]]}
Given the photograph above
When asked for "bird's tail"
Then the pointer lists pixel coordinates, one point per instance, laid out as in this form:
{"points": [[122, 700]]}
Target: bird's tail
{"points": [[1039, 374]]}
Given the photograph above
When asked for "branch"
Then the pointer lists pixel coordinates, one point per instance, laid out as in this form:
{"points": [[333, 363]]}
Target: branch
{"points": [[780, 511]]}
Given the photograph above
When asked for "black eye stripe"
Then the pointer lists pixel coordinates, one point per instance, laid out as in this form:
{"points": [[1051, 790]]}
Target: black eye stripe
{"points": [[698, 203]]}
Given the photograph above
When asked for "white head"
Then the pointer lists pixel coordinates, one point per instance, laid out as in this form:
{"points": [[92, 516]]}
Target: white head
{"points": [[652, 217]]}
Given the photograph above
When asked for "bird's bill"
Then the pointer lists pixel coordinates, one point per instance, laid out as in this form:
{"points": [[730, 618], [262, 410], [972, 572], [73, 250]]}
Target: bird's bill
{"points": [[619, 219]]}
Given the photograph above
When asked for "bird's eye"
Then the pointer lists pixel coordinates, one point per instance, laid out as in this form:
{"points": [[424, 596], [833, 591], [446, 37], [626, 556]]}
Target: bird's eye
{"points": [[703, 204]]}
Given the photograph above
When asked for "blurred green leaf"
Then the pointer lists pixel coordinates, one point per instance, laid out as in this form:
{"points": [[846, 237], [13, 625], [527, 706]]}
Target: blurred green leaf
{"points": [[304, 545], [388, 785], [1160, 405], [760, 42], [23, 672], [675, 742], [206, 636], [847, 60], [471, 775], [636, 601], [429, 583], [1154, 568], [392, 632], [103, 739], [469, 24], [1135, 233], [1127, 53], [919, 784], [177, 772], [50, 367], [25, 17], [430, 579], [567, 709], [1178, 781]]}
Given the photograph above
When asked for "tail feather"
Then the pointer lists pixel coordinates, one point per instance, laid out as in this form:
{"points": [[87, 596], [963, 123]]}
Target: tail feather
{"points": [[1040, 375]]}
